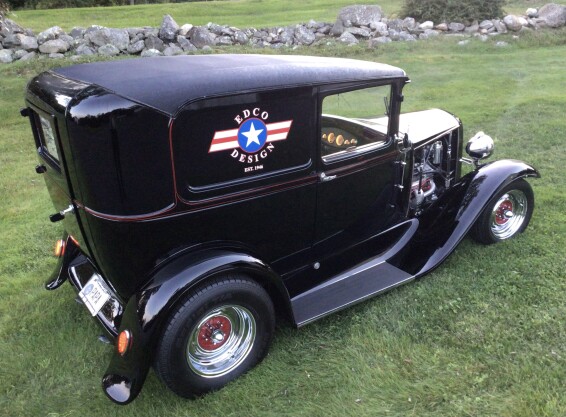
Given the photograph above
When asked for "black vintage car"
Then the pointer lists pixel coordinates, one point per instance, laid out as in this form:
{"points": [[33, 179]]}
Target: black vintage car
{"points": [[203, 195]]}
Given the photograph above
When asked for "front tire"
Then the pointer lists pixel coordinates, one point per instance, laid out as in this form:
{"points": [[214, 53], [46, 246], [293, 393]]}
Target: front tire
{"points": [[507, 214], [217, 333]]}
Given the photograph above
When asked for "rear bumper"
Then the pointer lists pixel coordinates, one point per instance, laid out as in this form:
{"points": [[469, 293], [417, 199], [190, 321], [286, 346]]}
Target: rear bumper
{"points": [[78, 269]]}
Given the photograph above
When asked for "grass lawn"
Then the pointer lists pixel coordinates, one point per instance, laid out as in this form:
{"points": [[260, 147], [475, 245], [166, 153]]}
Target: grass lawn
{"points": [[484, 335], [242, 13]]}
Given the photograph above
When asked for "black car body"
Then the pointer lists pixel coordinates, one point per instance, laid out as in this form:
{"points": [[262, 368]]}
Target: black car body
{"points": [[294, 182]]}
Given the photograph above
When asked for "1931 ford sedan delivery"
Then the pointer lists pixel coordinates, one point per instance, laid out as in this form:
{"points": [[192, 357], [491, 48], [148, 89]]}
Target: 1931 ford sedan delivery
{"points": [[201, 195]]}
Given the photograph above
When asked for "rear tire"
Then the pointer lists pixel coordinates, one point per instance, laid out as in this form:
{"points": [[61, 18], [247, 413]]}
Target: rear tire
{"points": [[507, 214], [218, 332]]}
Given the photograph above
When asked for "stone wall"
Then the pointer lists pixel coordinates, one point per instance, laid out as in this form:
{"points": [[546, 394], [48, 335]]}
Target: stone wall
{"points": [[353, 25]]}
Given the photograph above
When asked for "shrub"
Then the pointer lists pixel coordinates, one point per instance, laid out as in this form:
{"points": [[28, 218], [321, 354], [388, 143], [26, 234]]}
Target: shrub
{"points": [[453, 10]]}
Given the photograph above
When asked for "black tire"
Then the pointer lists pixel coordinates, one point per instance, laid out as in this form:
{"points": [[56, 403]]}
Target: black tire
{"points": [[507, 214], [218, 332]]}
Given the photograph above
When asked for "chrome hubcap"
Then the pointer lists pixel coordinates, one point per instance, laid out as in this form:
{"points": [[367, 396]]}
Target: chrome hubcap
{"points": [[508, 214], [221, 341]]}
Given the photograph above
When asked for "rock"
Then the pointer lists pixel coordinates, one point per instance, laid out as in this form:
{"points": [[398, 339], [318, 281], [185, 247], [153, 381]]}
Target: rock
{"points": [[287, 36], [483, 38], [55, 55], [207, 49], [67, 38], [49, 34], [185, 44], [486, 24], [456, 27], [338, 28], [29, 43], [531, 12], [362, 32], [372, 43], [54, 46], [9, 27], [11, 41], [303, 35], [6, 56], [379, 27], [348, 39], [153, 42], [429, 33], [84, 50], [77, 32], [473, 28], [523, 21], [107, 36], [407, 37], [136, 33], [136, 47], [359, 15], [215, 28], [150, 53], [512, 22], [200, 37], [426, 25], [464, 42], [29, 56], [172, 50], [224, 41], [409, 23], [186, 28], [108, 50], [442, 27], [501, 44], [19, 54], [240, 37], [394, 35], [553, 15], [499, 26], [168, 29], [395, 24]]}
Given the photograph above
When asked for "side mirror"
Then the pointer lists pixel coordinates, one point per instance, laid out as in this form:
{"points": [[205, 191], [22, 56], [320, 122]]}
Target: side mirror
{"points": [[480, 146]]}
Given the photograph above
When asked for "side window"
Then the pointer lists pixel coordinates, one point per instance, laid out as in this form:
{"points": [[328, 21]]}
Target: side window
{"points": [[354, 121], [228, 144]]}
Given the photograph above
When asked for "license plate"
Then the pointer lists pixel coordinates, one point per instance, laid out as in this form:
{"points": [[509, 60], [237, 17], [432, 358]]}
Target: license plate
{"points": [[94, 294]]}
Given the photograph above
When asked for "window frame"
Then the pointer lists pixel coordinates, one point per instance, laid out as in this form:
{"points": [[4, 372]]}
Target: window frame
{"points": [[39, 134]]}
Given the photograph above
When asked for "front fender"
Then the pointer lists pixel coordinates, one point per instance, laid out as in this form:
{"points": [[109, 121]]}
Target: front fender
{"points": [[148, 309], [449, 219]]}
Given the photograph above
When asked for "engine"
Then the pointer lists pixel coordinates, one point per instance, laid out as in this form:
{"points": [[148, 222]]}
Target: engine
{"points": [[433, 172]]}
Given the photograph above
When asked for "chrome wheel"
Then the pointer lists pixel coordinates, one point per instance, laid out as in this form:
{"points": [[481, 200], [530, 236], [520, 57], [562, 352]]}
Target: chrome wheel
{"points": [[221, 341], [509, 214]]}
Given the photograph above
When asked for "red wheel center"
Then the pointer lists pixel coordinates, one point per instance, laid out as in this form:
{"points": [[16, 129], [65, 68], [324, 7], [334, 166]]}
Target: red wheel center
{"points": [[214, 333], [501, 212]]}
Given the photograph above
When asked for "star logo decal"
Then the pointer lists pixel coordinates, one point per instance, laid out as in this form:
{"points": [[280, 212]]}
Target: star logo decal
{"points": [[252, 135]]}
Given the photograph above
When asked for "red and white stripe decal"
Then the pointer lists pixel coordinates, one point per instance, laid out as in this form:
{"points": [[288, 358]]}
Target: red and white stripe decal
{"points": [[228, 139]]}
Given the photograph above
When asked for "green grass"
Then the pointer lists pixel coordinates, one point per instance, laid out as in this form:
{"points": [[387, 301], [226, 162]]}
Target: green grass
{"points": [[242, 13], [483, 335]]}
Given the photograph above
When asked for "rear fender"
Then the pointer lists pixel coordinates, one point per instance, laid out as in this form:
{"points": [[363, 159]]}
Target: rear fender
{"points": [[148, 309], [448, 220]]}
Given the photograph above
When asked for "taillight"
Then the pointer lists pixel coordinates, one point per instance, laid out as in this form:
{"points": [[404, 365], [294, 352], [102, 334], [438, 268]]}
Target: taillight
{"points": [[124, 342]]}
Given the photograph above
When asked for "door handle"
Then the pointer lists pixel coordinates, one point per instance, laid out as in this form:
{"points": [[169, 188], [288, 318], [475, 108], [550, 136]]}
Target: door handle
{"points": [[326, 178]]}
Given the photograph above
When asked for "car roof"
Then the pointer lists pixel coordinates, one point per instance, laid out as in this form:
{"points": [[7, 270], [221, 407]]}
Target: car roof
{"points": [[167, 83]]}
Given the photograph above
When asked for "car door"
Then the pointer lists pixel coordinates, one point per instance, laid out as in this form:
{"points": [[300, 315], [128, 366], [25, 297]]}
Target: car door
{"points": [[357, 174]]}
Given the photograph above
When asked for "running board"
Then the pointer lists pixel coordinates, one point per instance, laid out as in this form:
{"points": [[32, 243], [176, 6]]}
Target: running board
{"points": [[345, 290], [357, 284]]}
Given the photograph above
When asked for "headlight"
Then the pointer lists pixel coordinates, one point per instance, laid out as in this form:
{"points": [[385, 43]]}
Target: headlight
{"points": [[480, 146]]}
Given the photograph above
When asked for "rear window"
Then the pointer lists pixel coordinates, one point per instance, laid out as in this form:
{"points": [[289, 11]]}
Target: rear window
{"points": [[47, 137]]}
